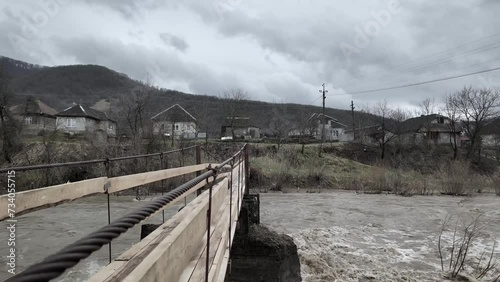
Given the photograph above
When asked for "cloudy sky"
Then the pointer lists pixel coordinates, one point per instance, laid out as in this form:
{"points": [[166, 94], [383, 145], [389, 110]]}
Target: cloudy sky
{"points": [[278, 51]]}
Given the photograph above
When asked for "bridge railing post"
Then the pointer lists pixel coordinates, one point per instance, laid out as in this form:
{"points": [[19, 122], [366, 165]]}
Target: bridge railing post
{"points": [[107, 165], [198, 161], [247, 169], [209, 222], [162, 166]]}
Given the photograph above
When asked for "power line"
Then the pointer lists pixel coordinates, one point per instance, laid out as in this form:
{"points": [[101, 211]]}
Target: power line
{"points": [[423, 82], [450, 49], [438, 62], [463, 53]]}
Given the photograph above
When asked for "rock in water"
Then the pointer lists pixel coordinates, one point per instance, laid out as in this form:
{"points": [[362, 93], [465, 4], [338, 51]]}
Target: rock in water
{"points": [[264, 255]]}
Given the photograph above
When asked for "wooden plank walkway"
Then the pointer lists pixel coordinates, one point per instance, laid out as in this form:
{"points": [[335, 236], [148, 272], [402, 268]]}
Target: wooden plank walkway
{"points": [[176, 251]]}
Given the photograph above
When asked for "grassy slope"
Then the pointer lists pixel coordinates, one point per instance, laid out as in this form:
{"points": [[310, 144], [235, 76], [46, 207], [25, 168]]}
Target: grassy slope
{"points": [[289, 169]]}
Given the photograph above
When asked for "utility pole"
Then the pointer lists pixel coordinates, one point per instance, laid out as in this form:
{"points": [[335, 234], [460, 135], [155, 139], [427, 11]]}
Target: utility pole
{"points": [[324, 119], [353, 122]]}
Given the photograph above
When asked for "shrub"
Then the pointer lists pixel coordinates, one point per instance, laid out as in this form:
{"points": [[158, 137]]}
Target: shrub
{"points": [[456, 254], [379, 176], [455, 178]]}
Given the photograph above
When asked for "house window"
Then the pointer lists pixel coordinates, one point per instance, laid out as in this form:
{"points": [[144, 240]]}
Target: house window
{"points": [[440, 119], [71, 122], [28, 120], [176, 127], [110, 126]]}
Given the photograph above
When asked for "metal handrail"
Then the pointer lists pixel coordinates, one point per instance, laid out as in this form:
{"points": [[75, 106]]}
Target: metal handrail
{"points": [[56, 264], [97, 161]]}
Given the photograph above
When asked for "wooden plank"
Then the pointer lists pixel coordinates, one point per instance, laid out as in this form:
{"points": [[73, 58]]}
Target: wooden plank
{"points": [[28, 201], [218, 271], [144, 246], [121, 183], [168, 235], [167, 258], [195, 269], [219, 252], [224, 265]]}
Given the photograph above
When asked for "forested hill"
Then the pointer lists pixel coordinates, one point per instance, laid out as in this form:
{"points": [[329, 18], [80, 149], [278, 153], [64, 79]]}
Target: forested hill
{"points": [[61, 86]]}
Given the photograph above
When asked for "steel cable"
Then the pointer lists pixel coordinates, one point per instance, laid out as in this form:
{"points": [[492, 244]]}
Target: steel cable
{"points": [[55, 265]]}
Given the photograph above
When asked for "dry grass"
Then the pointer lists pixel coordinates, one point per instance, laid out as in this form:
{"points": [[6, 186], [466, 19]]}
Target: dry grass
{"points": [[288, 168], [455, 178]]}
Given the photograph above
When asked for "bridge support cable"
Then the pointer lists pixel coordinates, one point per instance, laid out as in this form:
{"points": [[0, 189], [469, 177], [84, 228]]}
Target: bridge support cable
{"points": [[54, 265]]}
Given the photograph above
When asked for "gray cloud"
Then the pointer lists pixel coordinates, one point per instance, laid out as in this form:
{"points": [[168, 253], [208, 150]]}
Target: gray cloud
{"points": [[278, 51], [128, 8], [174, 41]]}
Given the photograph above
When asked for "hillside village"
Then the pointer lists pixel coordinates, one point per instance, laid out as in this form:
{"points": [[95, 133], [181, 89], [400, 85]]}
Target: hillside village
{"points": [[120, 109], [175, 122]]}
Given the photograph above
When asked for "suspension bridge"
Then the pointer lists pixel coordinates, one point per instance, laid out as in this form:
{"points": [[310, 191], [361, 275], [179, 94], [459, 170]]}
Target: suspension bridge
{"points": [[192, 245]]}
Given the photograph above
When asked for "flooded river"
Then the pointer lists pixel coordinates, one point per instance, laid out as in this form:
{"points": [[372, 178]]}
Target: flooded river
{"points": [[341, 236]]}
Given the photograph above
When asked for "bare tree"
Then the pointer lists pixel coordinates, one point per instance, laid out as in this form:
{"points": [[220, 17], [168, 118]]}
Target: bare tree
{"points": [[398, 116], [306, 128], [9, 126], [428, 106], [476, 108], [451, 110], [387, 129], [233, 106], [132, 109], [281, 123]]}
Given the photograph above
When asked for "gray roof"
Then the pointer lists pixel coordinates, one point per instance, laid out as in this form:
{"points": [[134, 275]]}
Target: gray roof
{"points": [[33, 106], [175, 113], [83, 111], [424, 121]]}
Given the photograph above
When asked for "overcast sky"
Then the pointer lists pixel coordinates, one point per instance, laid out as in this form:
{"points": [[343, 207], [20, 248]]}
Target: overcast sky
{"points": [[278, 51]]}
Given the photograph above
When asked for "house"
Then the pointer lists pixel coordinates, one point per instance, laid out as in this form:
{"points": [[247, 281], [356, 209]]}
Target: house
{"points": [[490, 134], [36, 117], [334, 130], [80, 119], [241, 128], [427, 129], [175, 121], [373, 134]]}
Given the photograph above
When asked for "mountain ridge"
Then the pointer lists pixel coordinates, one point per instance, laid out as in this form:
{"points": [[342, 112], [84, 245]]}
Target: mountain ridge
{"points": [[61, 86]]}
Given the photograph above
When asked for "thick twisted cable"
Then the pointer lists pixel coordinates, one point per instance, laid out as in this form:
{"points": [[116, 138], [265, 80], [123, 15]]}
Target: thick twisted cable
{"points": [[56, 264]]}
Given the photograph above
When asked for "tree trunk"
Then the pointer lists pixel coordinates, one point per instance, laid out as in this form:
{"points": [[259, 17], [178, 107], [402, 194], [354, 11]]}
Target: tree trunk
{"points": [[383, 151], [455, 148]]}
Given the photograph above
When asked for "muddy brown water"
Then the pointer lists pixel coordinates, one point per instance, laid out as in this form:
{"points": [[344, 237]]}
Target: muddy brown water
{"points": [[341, 236]]}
